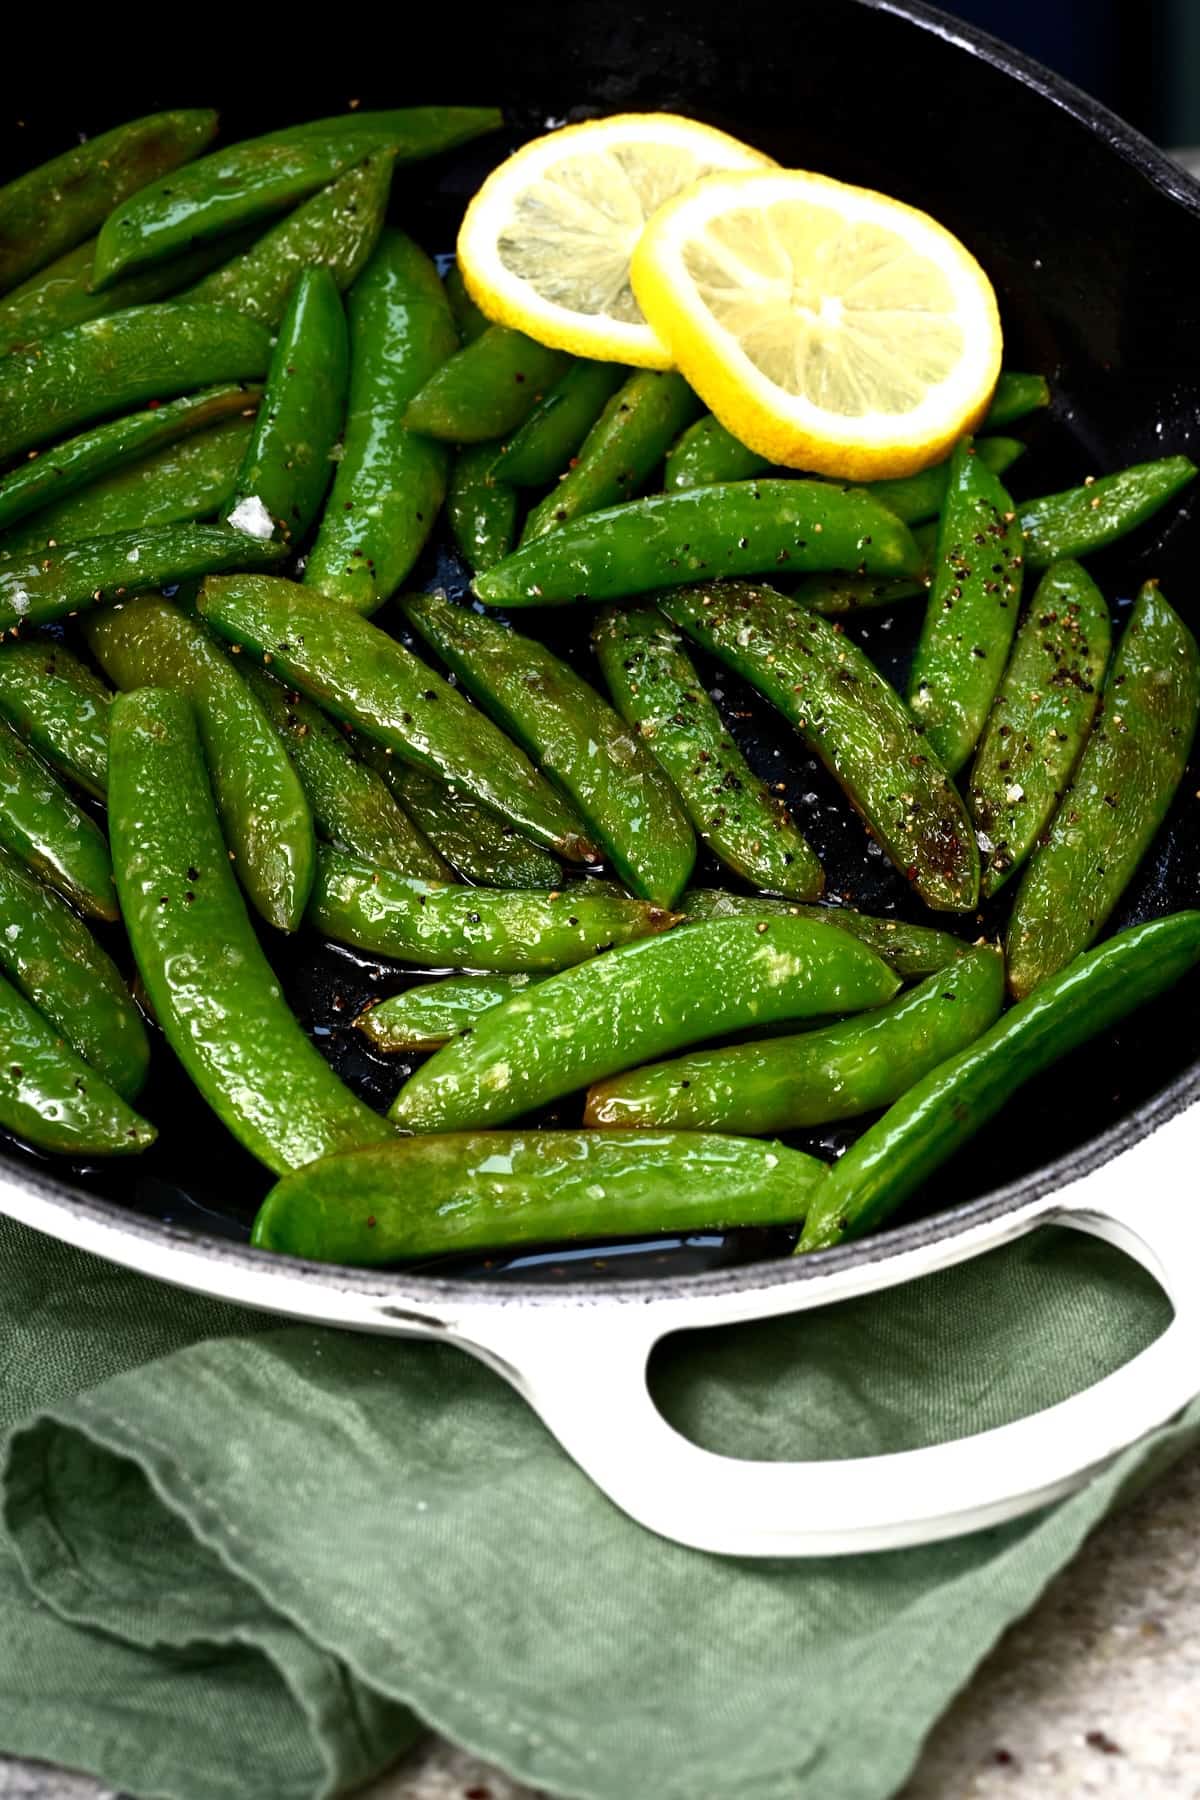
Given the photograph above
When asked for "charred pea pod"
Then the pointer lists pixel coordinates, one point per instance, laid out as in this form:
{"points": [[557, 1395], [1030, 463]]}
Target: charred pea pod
{"points": [[1016, 396], [390, 483], [916, 498], [740, 528], [812, 1077], [834, 595], [366, 679], [287, 466], [438, 926], [212, 989], [854, 721], [60, 707], [482, 510], [1126, 778], [1039, 720], [47, 831], [942, 1112], [469, 321], [53, 207], [639, 1002], [621, 451], [1083, 519], [112, 364], [264, 812], [428, 1015], [912, 950], [486, 389], [490, 1190], [336, 230], [706, 453], [972, 611], [574, 737], [475, 843], [660, 696], [542, 448], [50, 1098]]}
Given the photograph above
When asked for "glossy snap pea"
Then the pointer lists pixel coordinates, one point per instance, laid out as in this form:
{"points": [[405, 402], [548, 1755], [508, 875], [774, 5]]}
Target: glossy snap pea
{"points": [[480, 846], [574, 737], [48, 478], [350, 803], [212, 989], [912, 950], [1127, 776], [856, 723], [834, 595], [53, 207], [417, 132], [1040, 718], [741, 528], [944, 1110], [336, 230], [541, 449], [53, 836], [59, 705], [60, 968], [486, 389], [389, 483], [437, 926], [264, 812], [50, 1098], [972, 611], [1083, 519], [916, 498], [1015, 397], [482, 511], [620, 452], [287, 465], [111, 364], [39, 585], [489, 1190], [637, 1003], [469, 321], [812, 1077], [428, 1015], [706, 454], [660, 696], [365, 678]]}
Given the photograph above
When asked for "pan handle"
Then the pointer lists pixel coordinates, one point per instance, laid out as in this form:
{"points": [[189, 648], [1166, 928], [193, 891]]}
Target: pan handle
{"points": [[583, 1369]]}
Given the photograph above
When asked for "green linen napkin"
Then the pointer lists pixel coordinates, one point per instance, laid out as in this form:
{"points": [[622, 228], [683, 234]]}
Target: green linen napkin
{"points": [[247, 1559]]}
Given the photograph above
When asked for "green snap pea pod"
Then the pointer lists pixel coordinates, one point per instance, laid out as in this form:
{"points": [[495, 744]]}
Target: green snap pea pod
{"points": [[54, 837], [287, 465], [506, 930], [190, 480], [247, 182], [620, 452], [575, 737], [740, 528], [59, 705], [706, 453], [48, 478], [490, 1190], [811, 1077], [109, 365], [1040, 718], [469, 321], [1015, 397], [916, 498], [1083, 519], [337, 229], [262, 804], [60, 968], [427, 1016], [834, 595], [972, 611], [350, 803], [912, 950], [210, 985], [944, 1110], [1127, 776], [486, 389], [53, 207], [541, 448], [482, 510], [390, 483], [38, 586], [50, 1098], [481, 847], [856, 723], [660, 696], [637, 1003], [365, 678]]}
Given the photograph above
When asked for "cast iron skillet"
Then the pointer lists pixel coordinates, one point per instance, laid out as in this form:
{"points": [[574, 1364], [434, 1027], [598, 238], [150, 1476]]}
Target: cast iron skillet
{"points": [[1087, 232]]}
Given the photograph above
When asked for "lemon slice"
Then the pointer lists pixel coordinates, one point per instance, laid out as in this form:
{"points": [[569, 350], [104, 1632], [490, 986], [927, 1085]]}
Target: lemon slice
{"points": [[545, 244], [828, 327]]}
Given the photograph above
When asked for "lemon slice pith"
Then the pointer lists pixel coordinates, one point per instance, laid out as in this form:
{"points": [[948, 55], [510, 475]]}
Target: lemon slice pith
{"points": [[828, 327], [545, 244]]}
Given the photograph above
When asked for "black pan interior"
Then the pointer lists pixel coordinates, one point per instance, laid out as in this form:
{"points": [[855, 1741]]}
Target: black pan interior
{"points": [[1089, 239]]}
